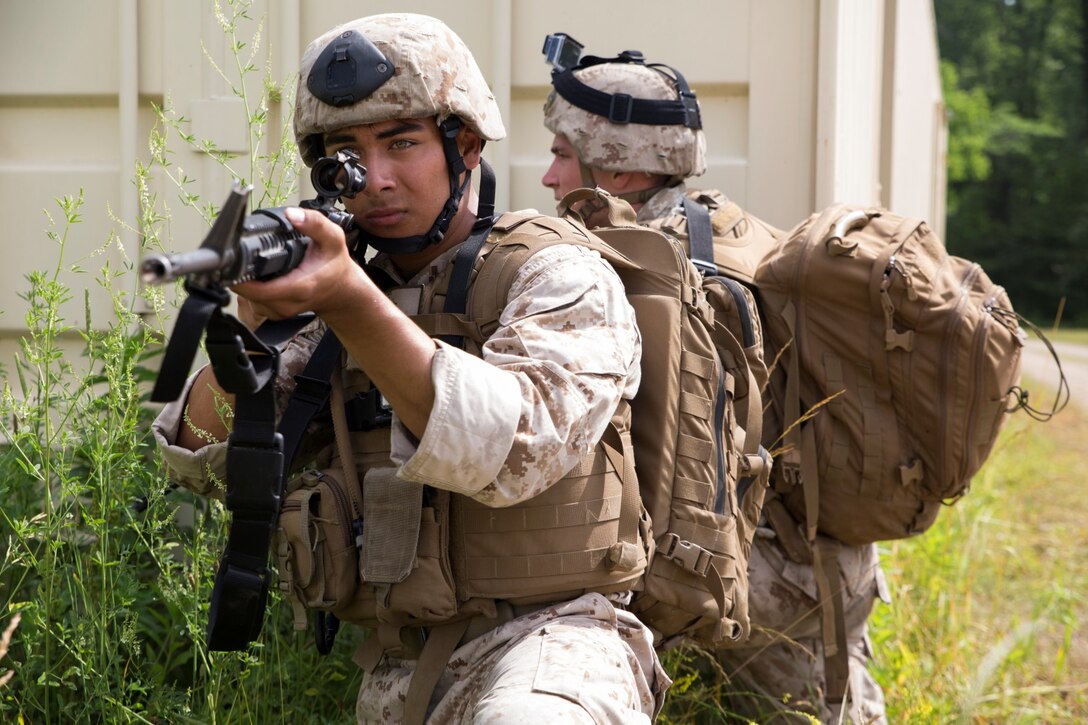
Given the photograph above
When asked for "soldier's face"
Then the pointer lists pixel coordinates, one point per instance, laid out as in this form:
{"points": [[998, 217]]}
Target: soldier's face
{"points": [[564, 174], [407, 181]]}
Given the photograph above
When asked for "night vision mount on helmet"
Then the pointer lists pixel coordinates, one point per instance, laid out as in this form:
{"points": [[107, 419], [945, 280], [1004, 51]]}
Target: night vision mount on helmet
{"points": [[390, 67], [564, 53]]}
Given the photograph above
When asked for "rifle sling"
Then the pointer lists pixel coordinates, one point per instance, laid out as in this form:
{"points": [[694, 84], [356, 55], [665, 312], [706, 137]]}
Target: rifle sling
{"points": [[257, 457], [193, 318]]}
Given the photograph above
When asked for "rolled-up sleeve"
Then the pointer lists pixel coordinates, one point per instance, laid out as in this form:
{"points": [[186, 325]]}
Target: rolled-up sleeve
{"points": [[506, 427], [202, 471]]}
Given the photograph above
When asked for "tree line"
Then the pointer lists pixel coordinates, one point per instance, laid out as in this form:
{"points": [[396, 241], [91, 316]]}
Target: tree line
{"points": [[1015, 77]]}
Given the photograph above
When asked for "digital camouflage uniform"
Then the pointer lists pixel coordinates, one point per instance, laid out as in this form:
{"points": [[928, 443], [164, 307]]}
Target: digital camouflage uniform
{"points": [[504, 426], [509, 424], [781, 670]]}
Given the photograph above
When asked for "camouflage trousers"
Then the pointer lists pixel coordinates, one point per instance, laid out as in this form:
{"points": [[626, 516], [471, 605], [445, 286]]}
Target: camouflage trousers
{"points": [[583, 661], [781, 669]]}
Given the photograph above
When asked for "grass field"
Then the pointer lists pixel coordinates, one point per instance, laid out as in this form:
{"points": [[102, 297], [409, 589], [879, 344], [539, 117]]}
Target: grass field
{"points": [[1068, 335], [987, 622]]}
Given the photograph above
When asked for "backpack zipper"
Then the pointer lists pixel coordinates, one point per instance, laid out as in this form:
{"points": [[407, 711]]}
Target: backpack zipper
{"points": [[981, 336], [748, 338], [946, 367], [747, 329], [343, 507], [719, 421], [719, 404]]}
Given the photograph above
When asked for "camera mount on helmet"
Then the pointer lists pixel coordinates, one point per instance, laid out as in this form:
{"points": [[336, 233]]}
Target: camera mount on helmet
{"points": [[562, 51]]}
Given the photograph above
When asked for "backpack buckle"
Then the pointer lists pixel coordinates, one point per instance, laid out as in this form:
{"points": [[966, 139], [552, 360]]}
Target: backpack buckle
{"points": [[707, 269], [688, 556], [791, 472]]}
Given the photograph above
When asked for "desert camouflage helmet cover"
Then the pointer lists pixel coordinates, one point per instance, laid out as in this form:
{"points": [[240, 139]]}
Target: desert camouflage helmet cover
{"points": [[674, 150], [433, 74]]}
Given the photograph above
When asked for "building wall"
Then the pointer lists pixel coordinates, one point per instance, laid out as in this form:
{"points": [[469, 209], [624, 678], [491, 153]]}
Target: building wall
{"points": [[804, 102]]}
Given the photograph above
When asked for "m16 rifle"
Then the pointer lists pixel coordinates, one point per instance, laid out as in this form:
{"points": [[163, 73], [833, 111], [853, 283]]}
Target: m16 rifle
{"points": [[262, 245], [241, 248]]}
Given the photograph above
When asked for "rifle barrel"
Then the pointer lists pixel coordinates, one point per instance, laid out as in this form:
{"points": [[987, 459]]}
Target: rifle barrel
{"points": [[162, 268]]}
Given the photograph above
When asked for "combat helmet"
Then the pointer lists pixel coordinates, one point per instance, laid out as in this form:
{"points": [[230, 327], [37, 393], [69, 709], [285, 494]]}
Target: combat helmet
{"points": [[390, 66], [623, 114]]}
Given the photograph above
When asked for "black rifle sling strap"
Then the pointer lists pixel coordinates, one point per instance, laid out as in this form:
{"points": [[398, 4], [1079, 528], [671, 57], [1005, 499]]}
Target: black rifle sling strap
{"points": [[310, 395], [193, 318], [258, 459], [246, 366]]}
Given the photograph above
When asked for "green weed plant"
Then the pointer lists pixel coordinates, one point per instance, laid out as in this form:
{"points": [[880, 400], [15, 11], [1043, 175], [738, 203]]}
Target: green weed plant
{"points": [[987, 619], [105, 568]]}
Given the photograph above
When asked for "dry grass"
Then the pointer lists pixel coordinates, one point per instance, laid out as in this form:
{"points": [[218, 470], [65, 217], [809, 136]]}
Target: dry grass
{"points": [[987, 622]]}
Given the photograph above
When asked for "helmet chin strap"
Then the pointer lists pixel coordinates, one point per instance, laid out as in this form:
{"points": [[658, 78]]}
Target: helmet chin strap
{"points": [[455, 163], [592, 206]]}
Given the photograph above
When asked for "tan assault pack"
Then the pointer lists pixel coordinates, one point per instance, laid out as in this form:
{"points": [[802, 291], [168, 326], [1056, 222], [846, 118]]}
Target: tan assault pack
{"points": [[696, 420], [719, 236], [897, 366]]}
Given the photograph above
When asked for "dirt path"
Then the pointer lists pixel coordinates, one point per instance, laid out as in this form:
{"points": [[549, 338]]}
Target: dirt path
{"points": [[1040, 369]]}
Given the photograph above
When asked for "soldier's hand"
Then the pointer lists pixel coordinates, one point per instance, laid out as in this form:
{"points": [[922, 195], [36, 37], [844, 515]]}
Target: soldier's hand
{"points": [[321, 282]]}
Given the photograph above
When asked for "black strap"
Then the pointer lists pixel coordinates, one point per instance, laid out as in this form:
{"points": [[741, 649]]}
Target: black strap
{"points": [[310, 395], [625, 108], [254, 483], [193, 318], [700, 236], [457, 292]]}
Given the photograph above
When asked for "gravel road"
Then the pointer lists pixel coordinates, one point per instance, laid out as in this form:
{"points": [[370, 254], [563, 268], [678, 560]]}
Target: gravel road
{"points": [[1039, 367]]}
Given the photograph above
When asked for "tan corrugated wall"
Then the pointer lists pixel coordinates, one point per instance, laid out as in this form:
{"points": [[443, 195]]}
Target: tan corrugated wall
{"points": [[794, 96]]}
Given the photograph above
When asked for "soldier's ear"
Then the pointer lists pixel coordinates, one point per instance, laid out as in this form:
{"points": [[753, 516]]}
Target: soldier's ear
{"points": [[470, 146], [623, 181]]}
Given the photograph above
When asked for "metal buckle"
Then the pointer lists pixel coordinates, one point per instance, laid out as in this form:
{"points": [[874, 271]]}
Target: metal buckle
{"points": [[627, 103]]}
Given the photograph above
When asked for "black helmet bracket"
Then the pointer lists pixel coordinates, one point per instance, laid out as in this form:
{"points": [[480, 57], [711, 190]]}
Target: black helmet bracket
{"points": [[348, 70]]}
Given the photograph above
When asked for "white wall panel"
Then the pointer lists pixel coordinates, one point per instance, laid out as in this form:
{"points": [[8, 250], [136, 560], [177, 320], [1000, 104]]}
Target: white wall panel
{"points": [[791, 93]]}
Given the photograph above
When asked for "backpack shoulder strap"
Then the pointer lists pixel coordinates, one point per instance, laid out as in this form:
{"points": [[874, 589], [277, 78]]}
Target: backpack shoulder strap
{"points": [[518, 236], [700, 236]]}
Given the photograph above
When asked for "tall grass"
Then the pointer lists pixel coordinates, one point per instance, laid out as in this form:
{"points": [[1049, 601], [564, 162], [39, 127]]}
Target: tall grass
{"points": [[987, 622], [104, 567]]}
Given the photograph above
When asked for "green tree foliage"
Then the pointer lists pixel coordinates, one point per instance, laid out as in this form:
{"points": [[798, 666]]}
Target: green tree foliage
{"points": [[1016, 85], [969, 121]]}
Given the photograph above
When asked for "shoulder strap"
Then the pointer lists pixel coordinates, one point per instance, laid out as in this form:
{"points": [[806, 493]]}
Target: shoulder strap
{"points": [[700, 236], [457, 294]]}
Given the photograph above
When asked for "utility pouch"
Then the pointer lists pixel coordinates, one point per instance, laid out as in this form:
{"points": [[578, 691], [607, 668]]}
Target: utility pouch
{"points": [[392, 508], [318, 551]]}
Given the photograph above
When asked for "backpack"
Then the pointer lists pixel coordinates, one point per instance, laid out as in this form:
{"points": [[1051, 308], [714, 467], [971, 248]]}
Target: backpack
{"points": [[896, 366], [719, 236], [696, 420]]}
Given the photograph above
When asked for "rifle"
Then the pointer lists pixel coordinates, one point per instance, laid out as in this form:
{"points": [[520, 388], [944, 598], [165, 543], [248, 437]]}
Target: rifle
{"points": [[240, 248], [262, 245]]}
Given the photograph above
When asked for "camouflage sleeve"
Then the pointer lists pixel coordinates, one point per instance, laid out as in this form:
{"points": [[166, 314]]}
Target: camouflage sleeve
{"points": [[507, 426], [201, 471]]}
